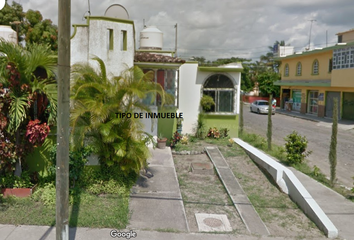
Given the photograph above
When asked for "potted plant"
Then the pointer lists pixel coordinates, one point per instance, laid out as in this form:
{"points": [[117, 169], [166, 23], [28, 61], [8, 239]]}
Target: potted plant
{"points": [[161, 141]]}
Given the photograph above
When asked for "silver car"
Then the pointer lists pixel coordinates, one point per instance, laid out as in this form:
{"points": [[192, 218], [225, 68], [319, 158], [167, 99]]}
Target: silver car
{"points": [[261, 106]]}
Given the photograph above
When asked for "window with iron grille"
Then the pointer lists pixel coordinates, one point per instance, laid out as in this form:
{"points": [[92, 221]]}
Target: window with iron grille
{"points": [[222, 90]]}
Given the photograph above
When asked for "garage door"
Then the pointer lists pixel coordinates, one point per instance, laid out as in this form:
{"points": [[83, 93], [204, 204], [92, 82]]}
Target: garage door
{"points": [[348, 105], [330, 103]]}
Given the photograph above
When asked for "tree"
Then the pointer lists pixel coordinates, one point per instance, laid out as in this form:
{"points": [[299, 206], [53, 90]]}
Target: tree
{"points": [[333, 146], [268, 59], [13, 13], [40, 31], [30, 25], [98, 104], [27, 79], [266, 83]]}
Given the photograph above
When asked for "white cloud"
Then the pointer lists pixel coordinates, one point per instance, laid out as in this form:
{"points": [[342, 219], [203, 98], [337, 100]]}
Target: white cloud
{"points": [[217, 29]]}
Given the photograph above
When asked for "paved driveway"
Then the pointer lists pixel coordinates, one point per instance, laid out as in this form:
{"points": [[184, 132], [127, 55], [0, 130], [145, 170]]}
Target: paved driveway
{"points": [[317, 133]]}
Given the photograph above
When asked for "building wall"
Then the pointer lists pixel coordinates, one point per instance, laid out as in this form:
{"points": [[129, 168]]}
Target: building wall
{"points": [[307, 62], [93, 40], [343, 77], [79, 44], [189, 96], [348, 37]]}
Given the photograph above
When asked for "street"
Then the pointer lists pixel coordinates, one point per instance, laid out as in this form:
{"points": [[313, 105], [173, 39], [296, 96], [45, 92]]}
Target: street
{"points": [[318, 135]]}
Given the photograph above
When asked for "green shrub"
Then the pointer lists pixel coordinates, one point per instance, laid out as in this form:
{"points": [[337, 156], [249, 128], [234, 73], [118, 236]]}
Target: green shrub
{"points": [[46, 195], [207, 103], [296, 148], [77, 161]]}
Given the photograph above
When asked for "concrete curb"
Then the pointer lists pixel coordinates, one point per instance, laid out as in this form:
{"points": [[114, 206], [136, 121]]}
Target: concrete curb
{"points": [[289, 183]]}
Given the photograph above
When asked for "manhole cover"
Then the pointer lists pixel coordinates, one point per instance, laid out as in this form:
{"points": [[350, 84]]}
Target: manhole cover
{"points": [[213, 222]]}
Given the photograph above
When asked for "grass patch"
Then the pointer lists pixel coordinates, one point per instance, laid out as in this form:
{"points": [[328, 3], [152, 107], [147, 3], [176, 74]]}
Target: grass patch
{"points": [[97, 202], [279, 153], [92, 211]]}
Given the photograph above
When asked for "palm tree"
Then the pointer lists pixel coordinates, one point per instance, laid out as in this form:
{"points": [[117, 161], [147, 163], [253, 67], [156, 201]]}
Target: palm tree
{"points": [[27, 74], [97, 104]]}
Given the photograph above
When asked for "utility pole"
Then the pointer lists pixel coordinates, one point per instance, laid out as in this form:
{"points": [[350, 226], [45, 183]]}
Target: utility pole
{"points": [[176, 41], [62, 166], [312, 20]]}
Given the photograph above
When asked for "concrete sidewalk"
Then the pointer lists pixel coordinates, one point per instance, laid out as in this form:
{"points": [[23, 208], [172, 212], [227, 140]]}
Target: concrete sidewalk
{"points": [[156, 203], [338, 209], [11, 232]]}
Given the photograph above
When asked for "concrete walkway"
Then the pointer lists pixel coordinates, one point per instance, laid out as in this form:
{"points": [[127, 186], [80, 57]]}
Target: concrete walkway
{"points": [[240, 200], [156, 203], [338, 209]]}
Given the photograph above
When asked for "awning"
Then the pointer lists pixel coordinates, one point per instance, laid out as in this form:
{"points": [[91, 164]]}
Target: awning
{"points": [[304, 83]]}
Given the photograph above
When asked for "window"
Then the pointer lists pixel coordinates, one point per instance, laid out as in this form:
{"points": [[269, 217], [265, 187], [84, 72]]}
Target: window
{"points": [[315, 67], [286, 71], [222, 90], [343, 58], [110, 39], [123, 46], [298, 69]]}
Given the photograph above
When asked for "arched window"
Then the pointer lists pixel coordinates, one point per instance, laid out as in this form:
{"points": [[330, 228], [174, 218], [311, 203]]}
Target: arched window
{"points": [[222, 90], [315, 67], [286, 70], [298, 69]]}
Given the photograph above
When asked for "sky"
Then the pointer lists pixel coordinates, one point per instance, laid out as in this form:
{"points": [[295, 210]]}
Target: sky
{"points": [[223, 28]]}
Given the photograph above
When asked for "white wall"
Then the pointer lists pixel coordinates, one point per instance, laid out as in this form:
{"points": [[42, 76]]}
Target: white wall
{"points": [[93, 40], [79, 45], [189, 96], [116, 60]]}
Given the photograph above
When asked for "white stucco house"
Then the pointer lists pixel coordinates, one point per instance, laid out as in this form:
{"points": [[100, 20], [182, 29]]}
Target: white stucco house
{"points": [[113, 40]]}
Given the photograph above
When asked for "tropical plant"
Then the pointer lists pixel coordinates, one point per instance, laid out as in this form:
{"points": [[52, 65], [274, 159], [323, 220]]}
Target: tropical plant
{"points": [[28, 91], [95, 100]]}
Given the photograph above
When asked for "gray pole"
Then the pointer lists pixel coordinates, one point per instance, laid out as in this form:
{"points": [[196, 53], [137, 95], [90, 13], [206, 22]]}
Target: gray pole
{"points": [[62, 168], [176, 41]]}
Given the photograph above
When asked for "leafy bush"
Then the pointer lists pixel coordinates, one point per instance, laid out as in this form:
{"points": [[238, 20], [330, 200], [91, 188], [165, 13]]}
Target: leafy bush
{"points": [[184, 139], [12, 181], [224, 132], [207, 103], [213, 133], [77, 161], [296, 148], [46, 195], [175, 139], [200, 127], [37, 132]]}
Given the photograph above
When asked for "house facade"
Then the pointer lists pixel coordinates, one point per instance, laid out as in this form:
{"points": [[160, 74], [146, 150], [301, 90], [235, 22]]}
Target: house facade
{"points": [[311, 80], [113, 40]]}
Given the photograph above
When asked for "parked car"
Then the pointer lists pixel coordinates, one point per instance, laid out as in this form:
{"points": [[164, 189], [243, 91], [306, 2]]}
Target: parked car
{"points": [[261, 106]]}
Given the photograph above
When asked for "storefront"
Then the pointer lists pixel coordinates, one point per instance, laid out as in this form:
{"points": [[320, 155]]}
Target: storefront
{"points": [[296, 96], [312, 106]]}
